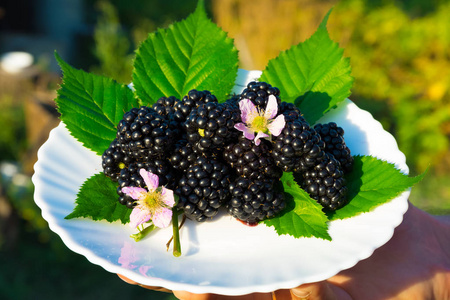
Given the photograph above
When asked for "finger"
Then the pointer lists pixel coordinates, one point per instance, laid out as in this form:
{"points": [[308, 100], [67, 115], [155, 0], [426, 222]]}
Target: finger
{"points": [[322, 290]]}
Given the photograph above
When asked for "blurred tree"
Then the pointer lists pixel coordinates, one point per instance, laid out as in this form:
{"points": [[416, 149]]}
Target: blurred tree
{"points": [[400, 59], [112, 46]]}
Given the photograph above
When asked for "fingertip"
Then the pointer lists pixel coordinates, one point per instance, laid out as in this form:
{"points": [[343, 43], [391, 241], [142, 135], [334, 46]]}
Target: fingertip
{"points": [[183, 295], [317, 291]]}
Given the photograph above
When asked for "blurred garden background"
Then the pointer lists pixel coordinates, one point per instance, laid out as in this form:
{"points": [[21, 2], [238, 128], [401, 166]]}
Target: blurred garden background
{"points": [[400, 58]]}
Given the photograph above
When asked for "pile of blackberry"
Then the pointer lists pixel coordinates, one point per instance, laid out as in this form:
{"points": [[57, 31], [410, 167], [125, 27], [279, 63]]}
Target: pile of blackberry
{"points": [[194, 148]]}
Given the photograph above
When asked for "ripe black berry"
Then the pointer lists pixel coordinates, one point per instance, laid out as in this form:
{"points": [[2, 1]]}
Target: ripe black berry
{"points": [[298, 147], [333, 136], [254, 200], [144, 134], [251, 161], [192, 100], [259, 92], [210, 126], [325, 183], [204, 188], [113, 160], [183, 155]]}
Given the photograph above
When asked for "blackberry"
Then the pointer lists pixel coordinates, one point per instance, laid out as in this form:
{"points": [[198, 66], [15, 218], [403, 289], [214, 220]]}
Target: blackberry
{"points": [[254, 200], [210, 126], [333, 136], [144, 134], [113, 160], [326, 184], [259, 92], [290, 111], [183, 156], [130, 176], [251, 161], [165, 106], [204, 188], [298, 147], [192, 100]]}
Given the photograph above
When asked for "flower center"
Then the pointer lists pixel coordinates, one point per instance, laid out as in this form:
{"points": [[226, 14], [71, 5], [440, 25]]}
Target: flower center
{"points": [[152, 200], [259, 124]]}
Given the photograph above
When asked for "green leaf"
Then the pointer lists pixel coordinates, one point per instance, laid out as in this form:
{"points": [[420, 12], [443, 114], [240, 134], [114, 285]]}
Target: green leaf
{"points": [[91, 106], [314, 74], [372, 183], [191, 54], [303, 216], [97, 199]]}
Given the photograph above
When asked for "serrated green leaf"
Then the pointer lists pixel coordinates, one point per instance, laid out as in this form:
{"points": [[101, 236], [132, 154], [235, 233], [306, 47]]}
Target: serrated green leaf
{"points": [[91, 106], [314, 74], [97, 199], [303, 216], [372, 183], [191, 54]]}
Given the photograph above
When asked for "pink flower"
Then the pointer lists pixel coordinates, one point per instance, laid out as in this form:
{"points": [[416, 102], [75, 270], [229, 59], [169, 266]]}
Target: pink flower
{"points": [[260, 121], [154, 204]]}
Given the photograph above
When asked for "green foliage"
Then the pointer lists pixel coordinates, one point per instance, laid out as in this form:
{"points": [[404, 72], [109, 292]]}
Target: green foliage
{"points": [[314, 75], [12, 140], [97, 199], [400, 58], [91, 106], [112, 45], [191, 54], [371, 183], [303, 216]]}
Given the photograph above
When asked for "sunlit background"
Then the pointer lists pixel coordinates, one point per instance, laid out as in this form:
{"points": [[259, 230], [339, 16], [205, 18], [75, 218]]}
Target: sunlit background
{"points": [[400, 57]]}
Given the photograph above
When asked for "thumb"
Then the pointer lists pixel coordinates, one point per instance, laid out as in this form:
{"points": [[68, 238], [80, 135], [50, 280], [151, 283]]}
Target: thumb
{"points": [[322, 290]]}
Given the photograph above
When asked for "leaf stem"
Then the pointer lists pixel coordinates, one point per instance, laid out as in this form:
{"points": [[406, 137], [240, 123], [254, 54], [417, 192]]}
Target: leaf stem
{"points": [[142, 233], [176, 234]]}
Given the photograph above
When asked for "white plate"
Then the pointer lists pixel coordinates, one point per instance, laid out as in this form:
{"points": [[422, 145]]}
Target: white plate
{"points": [[222, 256]]}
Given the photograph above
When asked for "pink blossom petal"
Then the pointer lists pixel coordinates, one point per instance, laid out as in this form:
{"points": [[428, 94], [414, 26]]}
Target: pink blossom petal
{"points": [[134, 192], [248, 110], [259, 136], [271, 108], [167, 197], [276, 126], [162, 217], [139, 216], [249, 134], [150, 179]]}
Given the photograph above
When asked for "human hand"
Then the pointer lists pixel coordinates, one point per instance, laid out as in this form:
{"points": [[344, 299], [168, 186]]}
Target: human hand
{"points": [[414, 264]]}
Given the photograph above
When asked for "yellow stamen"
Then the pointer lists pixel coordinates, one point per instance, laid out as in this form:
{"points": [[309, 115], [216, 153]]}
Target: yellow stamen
{"points": [[201, 132], [259, 124]]}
